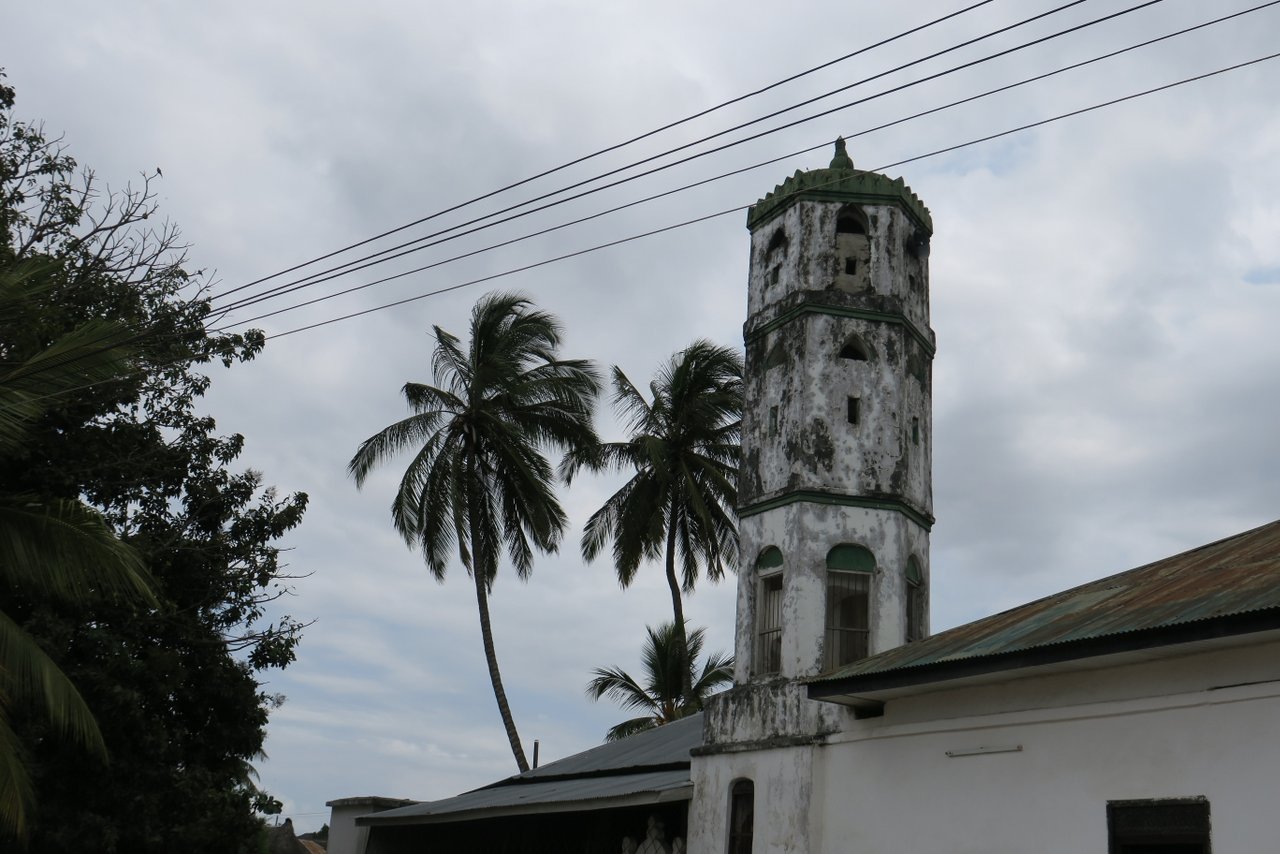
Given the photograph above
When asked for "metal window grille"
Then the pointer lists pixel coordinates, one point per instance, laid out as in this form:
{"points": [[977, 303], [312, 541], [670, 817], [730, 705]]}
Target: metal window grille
{"points": [[848, 617], [769, 625], [742, 808], [915, 610]]}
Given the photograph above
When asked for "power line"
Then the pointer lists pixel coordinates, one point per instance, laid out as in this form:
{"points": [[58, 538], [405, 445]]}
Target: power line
{"points": [[739, 208], [290, 287], [144, 334], [742, 170], [619, 145], [374, 259]]}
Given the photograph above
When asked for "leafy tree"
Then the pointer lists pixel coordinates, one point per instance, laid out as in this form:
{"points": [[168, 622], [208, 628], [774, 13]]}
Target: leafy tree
{"points": [[174, 688], [479, 479], [683, 451], [60, 547], [661, 697]]}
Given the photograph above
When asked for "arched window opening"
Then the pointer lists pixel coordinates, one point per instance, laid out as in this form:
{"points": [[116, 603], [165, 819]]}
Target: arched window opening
{"points": [[742, 815], [850, 569], [777, 245], [915, 601], [768, 651], [854, 350], [917, 244], [774, 255], [853, 250], [850, 220]]}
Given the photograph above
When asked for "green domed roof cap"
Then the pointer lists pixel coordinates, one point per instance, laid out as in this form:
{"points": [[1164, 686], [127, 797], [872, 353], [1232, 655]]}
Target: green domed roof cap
{"points": [[840, 182], [842, 160]]}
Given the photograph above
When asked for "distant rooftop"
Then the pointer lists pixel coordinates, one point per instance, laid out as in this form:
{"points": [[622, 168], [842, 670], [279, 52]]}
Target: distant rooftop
{"points": [[650, 767]]}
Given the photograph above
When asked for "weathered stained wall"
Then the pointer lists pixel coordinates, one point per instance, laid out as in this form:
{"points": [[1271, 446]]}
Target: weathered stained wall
{"points": [[837, 425], [798, 421], [804, 532], [837, 428], [782, 778], [898, 263]]}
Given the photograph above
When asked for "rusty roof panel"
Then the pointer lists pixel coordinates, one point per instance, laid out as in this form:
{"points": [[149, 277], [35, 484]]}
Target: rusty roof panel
{"points": [[1237, 575]]}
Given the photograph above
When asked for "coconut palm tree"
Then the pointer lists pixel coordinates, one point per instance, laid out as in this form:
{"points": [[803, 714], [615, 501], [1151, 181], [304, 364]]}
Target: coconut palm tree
{"points": [[661, 697], [52, 546], [479, 479], [683, 451]]}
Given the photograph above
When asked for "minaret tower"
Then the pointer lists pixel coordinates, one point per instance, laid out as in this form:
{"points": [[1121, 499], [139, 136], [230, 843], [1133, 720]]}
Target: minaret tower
{"points": [[835, 494]]}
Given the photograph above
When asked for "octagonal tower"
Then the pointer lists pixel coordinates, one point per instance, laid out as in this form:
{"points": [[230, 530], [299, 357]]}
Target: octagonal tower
{"points": [[835, 490]]}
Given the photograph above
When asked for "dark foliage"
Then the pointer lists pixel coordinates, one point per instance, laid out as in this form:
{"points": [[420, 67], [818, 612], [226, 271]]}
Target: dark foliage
{"points": [[175, 688]]}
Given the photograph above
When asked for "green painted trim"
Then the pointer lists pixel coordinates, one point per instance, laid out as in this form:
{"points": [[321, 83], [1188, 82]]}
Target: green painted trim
{"points": [[848, 557], [839, 185], [770, 558], [843, 311], [810, 496]]}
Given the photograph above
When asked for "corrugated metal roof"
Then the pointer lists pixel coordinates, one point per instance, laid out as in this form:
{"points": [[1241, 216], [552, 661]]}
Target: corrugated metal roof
{"points": [[1235, 576], [658, 746], [552, 796], [645, 768]]}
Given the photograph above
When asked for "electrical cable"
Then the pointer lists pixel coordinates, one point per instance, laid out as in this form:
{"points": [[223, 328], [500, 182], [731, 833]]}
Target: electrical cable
{"points": [[1111, 54], [739, 208], [369, 260], [744, 169], [619, 145], [717, 214]]}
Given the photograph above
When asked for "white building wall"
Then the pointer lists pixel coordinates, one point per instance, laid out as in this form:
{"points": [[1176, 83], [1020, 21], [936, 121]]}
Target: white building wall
{"points": [[783, 779], [1204, 725]]}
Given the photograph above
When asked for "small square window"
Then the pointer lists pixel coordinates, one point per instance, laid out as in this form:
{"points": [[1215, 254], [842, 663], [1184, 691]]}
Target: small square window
{"points": [[773, 421], [852, 408], [774, 274], [1172, 826], [851, 266], [915, 431]]}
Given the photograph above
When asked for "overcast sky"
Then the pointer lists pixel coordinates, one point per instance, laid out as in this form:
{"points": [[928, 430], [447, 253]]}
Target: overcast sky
{"points": [[1104, 293]]}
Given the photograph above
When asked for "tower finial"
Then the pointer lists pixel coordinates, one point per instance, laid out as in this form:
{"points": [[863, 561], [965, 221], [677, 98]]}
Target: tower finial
{"points": [[842, 159]]}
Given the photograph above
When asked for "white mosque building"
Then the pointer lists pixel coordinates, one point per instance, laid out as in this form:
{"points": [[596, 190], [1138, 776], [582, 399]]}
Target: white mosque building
{"points": [[1137, 713]]}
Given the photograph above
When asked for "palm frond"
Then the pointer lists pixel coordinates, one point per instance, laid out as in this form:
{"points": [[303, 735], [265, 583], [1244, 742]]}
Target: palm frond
{"points": [[27, 674], [66, 549], [386, 443], [661, 696], [626, 729], [17, 796]]}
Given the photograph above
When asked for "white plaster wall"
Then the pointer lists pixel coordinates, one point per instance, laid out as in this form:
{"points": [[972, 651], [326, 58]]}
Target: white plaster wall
{"points": [[900, 792], [1190, 725], [344, 836], [783, 780]]}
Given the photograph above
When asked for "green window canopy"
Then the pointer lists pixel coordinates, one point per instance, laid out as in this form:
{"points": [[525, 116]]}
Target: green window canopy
{"points": [[914, 575], [770, 558], [847, 557]]}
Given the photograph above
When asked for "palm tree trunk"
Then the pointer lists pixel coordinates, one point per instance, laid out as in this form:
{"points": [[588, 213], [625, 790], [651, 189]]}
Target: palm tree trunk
{"points": [[491, 659], [677, 609], [486, 631]]}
